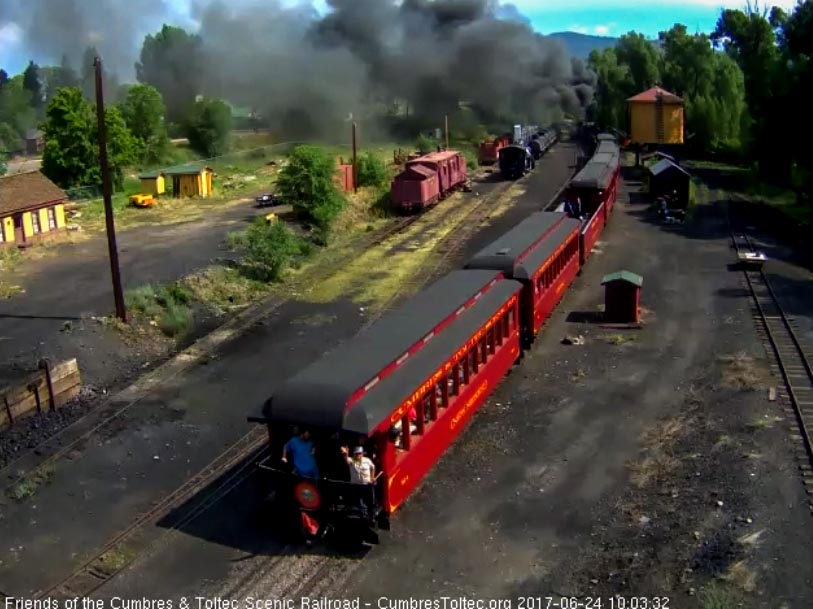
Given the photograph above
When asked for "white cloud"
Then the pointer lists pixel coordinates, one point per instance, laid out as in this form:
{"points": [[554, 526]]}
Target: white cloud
{"points": [[601, 30], [11, 34]]}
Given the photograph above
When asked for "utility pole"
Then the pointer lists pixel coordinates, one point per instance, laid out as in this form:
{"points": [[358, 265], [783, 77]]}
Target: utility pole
{"points": [[355, 162], [446, 123], [107, 189]]}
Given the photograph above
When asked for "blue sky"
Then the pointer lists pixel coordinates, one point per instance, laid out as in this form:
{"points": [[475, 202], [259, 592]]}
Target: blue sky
{"points": [[598, 17]]}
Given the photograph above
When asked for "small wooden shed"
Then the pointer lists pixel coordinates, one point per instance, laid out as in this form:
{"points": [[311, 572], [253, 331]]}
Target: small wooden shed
{"points": [[153, 182], [622, 297], [666, 177], [192, 180]]}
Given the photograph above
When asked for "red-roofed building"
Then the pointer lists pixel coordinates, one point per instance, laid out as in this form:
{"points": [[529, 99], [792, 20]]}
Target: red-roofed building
{"points": [[656, 116]]}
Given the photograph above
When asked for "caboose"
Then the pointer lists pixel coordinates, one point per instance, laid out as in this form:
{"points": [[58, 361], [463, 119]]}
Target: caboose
{"points": [[428, 179]]}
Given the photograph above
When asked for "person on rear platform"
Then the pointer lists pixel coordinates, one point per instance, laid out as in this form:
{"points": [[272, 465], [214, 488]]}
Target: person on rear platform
{"points": [[300, 452], [362, 471]]}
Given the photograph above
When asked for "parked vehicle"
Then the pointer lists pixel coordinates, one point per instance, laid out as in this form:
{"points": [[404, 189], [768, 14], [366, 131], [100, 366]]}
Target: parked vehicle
{"points": [[266, 200]]}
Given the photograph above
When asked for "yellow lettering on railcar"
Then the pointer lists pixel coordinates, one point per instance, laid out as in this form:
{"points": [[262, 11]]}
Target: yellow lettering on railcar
{"points": [[448, 366], [478, 393]]}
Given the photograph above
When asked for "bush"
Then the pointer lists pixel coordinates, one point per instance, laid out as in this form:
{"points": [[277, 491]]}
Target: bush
{"points": [[471, 158], [269, 249], [307, 184], [175, 320], [167, 305], [372, 171], [426, 144]]}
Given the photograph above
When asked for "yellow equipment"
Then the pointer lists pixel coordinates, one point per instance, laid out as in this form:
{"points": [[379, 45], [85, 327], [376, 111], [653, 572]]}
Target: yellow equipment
{"points": [[272, 217], [142, 200]]}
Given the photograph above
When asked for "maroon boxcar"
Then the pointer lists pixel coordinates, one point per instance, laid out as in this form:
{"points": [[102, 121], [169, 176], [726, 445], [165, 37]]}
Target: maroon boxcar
{"points": [[404, 388], [449, 167], [542, 252]]}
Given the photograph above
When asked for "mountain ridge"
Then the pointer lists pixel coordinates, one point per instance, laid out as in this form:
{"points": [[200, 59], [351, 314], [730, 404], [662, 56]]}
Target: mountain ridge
{"points": [[580, 45]]}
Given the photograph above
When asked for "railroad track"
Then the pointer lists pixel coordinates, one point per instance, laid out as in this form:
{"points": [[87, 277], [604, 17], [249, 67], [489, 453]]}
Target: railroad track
{"points": [[139, 538], [792, 361], [140, 535]]}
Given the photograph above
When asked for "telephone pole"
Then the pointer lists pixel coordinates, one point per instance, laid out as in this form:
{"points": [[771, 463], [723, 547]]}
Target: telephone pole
{"points": [[446, 123], [107, 189]]}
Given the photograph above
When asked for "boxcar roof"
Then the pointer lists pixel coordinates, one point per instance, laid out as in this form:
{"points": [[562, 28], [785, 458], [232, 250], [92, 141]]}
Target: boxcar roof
{"points": [[368, 413], [434, 157], [508, 251], [316, 394], [422, 171]]}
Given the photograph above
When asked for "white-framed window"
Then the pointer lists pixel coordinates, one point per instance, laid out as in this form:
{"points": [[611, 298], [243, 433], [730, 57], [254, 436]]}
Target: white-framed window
{"points": [[51, 218], [35, 222], [2, 231]]}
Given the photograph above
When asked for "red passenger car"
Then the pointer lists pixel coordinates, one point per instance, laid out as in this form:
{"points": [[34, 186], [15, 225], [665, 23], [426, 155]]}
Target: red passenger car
{"points": [[596, 185], [449, 169], [542, 252], [403, 389]]}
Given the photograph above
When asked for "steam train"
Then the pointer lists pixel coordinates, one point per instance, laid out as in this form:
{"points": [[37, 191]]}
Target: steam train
{"points": [[401, 391]]}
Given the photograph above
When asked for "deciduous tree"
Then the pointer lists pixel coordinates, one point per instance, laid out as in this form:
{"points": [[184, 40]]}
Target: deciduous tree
{"points": [[143, 110], [308, 184], [171, 61], [69, 157], [207, 127]]}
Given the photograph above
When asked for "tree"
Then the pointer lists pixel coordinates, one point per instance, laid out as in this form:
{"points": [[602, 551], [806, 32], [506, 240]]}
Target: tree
{"points": [[9, 138], [172, 62], [687, 62], [122, 147], [641, 57], [143, 111], [33, 84], [71, 155], [69, 158], [307, 183], [750, 39], [612, 89], [15, 106], [207, 126], [3, 77]]}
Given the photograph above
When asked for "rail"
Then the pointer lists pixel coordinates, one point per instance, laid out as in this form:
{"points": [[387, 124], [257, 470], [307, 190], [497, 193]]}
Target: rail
{"points": [[793, 363]]}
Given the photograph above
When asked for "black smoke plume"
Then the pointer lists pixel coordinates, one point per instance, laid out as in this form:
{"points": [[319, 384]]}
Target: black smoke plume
{"points": [[306, 73]]}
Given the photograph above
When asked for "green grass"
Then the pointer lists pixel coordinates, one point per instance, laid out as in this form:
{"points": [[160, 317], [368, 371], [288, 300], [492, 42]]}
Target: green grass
{"points": [[715, 596], [223, 288], [30, 483], [10, 257], [165, 305]]}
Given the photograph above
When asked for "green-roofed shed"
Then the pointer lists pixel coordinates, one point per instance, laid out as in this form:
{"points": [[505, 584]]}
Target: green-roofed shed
{"points": [[622, 297], [153, 182], [190, 180]]}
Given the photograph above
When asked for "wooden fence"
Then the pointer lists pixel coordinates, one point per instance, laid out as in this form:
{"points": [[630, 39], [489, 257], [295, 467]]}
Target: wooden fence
{"points": [[48, 389]]}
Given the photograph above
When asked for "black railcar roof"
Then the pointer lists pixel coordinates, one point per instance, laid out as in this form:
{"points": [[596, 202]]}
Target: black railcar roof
{"points": [[599, 170], [315, 395], [526, 240], [375, 406]]}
